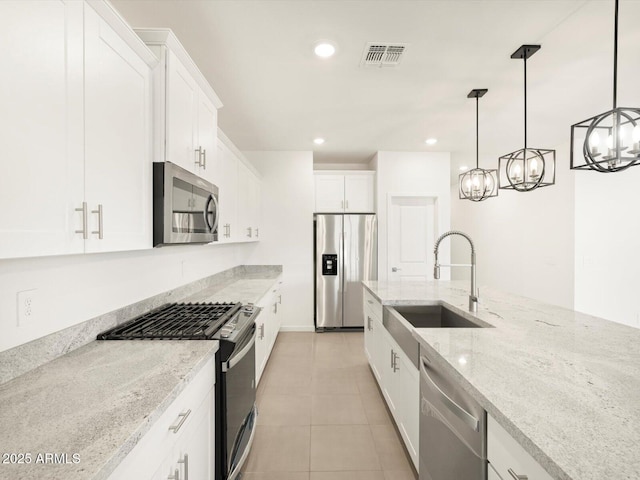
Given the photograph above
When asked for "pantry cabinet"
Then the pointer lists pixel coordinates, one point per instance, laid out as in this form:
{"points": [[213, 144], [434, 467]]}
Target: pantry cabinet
{"points": [[181, 440], [340, 192], [186, 108], [75, 130]]}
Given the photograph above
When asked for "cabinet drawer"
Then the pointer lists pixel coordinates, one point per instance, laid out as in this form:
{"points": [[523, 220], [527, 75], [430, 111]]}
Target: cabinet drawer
{"points": [[373, 303], [159, 440], [505, 455]]}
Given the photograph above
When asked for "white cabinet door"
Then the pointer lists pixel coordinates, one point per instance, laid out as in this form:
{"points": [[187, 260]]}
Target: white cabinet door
{"points": [[409, 383], [228, 195], [41, 128], [248, 203], [261, 344], [117, 140], [181, 114], [506, 455], [207, 139], [358, 193], [329, 193]]}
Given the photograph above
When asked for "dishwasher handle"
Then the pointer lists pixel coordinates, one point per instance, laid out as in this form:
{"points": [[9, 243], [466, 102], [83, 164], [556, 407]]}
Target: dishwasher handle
{"points": [[469, 420]]}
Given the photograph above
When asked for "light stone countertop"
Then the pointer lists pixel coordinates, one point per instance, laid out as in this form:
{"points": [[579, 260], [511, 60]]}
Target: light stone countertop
{"points": [[100, 399], [97, 402], [565, 385]]}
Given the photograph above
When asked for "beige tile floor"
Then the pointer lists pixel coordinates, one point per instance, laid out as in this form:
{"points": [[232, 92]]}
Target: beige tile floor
{"points": [[322, 416]]}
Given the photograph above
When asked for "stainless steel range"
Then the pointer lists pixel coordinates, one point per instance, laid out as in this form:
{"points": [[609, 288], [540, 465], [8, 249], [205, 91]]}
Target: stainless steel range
{"points": [[233, 325]]}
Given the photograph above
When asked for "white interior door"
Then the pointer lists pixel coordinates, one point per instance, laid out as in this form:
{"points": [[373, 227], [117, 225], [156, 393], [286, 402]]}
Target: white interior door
{"points": [[411, 236]]}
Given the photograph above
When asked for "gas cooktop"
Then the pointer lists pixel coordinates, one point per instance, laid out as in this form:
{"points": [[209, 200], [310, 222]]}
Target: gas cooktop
{"points": [[176, 321]]}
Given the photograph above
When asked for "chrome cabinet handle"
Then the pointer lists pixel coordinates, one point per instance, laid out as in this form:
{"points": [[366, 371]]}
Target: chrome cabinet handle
{"points": [[515, 476], [249, 231], [395, 362], [204, 158], [346, 205], [198, 152], [395, 269], [261, 331], [275, 307], [100, 231], [175, 476], [368, 322], [342, 204], [257, 232], [280, 299], [369, 302], [85, 220], [185, 460], [471, 421], [182, 417], [392, 358]]}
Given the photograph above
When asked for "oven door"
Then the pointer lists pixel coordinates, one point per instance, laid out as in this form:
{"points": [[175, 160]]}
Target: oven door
{"points": [[240, 380]]}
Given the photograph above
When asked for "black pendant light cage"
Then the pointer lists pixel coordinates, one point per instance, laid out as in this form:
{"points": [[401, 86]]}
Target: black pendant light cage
{"points": [[478, 184], [609, 142], [528, 168]]}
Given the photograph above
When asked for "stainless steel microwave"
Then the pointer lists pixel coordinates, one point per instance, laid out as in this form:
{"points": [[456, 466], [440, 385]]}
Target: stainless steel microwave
{"points": [[185, 207]]}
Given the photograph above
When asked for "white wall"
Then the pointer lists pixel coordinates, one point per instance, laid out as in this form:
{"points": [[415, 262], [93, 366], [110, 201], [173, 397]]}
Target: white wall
{"points": [[413, 173], [286, 231], [74, 288], [607, 262], [524, 241]]}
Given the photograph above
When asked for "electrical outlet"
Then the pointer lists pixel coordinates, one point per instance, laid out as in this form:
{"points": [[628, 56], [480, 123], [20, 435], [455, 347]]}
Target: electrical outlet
{"points": [[27, 306]]}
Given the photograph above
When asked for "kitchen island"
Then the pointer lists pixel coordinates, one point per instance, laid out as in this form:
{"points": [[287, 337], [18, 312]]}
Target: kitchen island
{"points": [[565, 385]]}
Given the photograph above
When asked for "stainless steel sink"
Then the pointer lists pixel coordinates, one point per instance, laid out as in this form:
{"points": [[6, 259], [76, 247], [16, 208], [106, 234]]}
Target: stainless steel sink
{"points": [[435, 316]]}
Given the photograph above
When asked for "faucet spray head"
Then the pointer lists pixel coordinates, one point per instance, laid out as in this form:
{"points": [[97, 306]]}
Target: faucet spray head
{"points": [[436, 272]]}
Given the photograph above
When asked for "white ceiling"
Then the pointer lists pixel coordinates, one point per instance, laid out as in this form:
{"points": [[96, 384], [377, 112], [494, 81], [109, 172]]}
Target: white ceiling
{"points": [[258, 56]]}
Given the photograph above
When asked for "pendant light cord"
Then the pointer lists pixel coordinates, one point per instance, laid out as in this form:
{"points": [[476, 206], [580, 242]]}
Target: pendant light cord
{"points": [[615, 59], [525, 100], [477, 128]]}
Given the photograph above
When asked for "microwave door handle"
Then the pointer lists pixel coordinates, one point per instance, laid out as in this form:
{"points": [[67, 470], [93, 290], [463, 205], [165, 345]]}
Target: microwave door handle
{"points": [[211, 226]]}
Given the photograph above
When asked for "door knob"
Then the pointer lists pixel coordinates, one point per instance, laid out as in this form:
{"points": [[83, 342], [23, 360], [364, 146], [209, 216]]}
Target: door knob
{"points": [[395, 269]]}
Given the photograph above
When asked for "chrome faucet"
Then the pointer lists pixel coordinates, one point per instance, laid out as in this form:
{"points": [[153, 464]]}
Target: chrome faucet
{"points": [[473, 295]]}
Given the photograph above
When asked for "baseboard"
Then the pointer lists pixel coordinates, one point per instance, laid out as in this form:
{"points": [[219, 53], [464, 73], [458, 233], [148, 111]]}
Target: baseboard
{"points": [[297, 328]]}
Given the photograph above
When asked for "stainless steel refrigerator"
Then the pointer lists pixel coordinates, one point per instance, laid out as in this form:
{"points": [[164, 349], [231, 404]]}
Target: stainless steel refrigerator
{"points": [[346, 252]]}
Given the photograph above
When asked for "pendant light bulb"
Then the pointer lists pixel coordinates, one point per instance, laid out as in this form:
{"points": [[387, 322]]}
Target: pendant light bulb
{"points": [[467, 186], [636, 134], [610, 142], [516, 173], [594, 140], [533, 168]]}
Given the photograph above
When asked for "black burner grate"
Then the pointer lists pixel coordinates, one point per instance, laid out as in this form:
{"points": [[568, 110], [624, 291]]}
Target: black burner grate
{"points": [[175, 321]]}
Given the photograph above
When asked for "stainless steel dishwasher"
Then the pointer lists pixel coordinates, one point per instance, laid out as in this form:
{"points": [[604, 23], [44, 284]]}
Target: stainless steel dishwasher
{"points": [[453, 426]]}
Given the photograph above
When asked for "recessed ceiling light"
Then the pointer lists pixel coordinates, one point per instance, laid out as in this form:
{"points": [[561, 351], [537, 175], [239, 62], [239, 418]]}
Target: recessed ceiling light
{"points": [[318, 141], [324, 49], [463, 168], [431, 141]]}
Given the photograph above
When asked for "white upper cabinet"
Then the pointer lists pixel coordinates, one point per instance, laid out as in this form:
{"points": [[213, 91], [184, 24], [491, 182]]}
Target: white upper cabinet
{"points": [[117, 141], [249, 204], [74, 130], [41, 128], [344, 192], [186, 108]]}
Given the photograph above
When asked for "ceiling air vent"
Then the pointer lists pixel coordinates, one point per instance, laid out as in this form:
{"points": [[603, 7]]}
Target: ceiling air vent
{"points": [[383, 54]]}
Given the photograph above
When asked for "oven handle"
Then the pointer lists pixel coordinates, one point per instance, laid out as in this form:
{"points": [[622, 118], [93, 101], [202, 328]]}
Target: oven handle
{"points": [[233, 361], [234, 473]]}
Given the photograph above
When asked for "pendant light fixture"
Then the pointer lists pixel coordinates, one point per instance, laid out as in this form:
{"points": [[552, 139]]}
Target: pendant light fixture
{"points": [[528, 168], [478, 184], [609, 142]]}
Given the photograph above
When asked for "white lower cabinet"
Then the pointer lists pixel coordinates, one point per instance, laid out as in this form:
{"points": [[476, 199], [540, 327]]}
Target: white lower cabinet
{"points": [[267, 327], [397, 376], [182, 440], [507, 459]]}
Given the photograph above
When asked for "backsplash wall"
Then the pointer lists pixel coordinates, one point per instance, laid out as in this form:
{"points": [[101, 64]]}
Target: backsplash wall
{"points": [[71, 289]]}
